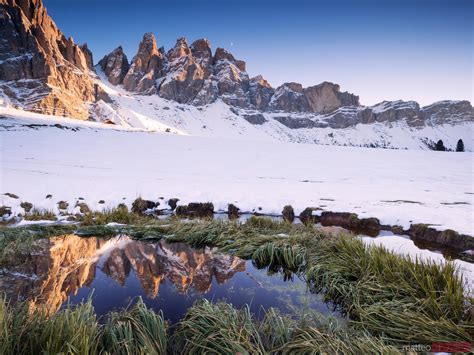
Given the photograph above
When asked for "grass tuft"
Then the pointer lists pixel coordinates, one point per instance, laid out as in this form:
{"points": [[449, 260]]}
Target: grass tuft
{"points": [[217, 329], [138, 330], [36, 214]]}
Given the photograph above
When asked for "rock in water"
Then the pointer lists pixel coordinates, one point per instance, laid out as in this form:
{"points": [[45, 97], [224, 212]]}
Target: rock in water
{"points": [[56, 69]]}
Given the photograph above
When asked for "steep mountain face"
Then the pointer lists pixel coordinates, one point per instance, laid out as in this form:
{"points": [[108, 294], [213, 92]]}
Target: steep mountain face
{"points": [[193, 75], [409, 112], [115, 66], [40, 69]]}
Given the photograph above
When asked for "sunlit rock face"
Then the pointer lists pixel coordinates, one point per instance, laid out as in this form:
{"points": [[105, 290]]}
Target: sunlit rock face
{"points": [[194, 75], [146, 67], [59, 267], [42, 70]]}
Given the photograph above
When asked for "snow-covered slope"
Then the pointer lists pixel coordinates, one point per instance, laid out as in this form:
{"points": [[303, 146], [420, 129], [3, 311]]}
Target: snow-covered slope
{"points": [[69, 159], [220, 120]]}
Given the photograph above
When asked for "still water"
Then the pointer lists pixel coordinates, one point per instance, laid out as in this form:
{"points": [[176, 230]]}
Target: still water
{"points": [[168, 276]]}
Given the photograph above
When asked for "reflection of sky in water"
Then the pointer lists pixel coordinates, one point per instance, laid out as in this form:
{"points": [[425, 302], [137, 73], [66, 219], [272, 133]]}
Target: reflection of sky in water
{"points": [[251, 287]]}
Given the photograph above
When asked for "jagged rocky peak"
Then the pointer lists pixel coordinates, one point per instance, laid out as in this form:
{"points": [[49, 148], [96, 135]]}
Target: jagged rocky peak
{"points": [[33, 48], [146, 67], [201, 51], [115, 66], [232, 79], [184, 77], [180, 49], [223, 54]]}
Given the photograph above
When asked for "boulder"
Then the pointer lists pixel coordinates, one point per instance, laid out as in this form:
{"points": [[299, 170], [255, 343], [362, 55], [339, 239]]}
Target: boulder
{"points": [[350, 221], [256, 119], [140, 205], [63, 205], [27, 206], [308, 216], [173, 202], [5, 211], [233, 211], [447, 238], [196, 209], [288, 214]]}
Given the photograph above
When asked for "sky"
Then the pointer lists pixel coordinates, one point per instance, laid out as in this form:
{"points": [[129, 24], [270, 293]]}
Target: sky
{"points": [[418, 50]]}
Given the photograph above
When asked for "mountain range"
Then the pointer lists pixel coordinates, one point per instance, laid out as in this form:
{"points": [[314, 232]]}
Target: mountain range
{"points": [[195, 90]]}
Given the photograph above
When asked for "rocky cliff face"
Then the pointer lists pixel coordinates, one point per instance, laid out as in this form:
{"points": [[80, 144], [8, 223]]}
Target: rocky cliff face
{"points": [[115, 66], [43, 71], [59, 267], [409, 112], [193, 75], [40, 68]]}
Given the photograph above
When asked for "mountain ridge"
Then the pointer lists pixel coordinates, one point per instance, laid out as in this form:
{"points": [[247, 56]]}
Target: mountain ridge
{"points": [[43, 72]]}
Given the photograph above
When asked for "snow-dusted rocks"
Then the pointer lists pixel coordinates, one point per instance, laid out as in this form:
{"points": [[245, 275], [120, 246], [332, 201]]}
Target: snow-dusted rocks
{"points": [[193, 75], [260, 92], [115, 66], [448, 112], [55, 68], [289, 97], [183, 77], [195, 90], [322, 98], [232, 79]]}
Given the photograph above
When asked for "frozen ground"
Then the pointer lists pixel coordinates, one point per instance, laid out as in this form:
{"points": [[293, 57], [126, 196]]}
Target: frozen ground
{"points": [[219, 120], [117, 164]]}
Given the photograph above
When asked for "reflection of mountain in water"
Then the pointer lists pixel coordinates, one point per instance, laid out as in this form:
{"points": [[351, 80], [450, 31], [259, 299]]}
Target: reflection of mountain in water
{"points": [[58, 267]]}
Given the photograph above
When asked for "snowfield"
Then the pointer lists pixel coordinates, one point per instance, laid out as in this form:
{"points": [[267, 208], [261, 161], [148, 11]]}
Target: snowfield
{"points": [[154, 113], [117, 164]]}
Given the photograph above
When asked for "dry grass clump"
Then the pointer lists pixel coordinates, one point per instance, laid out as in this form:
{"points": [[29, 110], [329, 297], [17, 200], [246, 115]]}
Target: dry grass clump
{"points": [[119, 214], [37, 214]]}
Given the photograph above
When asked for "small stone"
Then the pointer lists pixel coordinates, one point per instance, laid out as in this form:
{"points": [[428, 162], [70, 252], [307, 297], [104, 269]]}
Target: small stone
{"points": [[173, 202], [27, 206]]}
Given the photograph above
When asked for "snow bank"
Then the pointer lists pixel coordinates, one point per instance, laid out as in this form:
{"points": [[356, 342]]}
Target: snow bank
{"points": [[103, 162]]}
